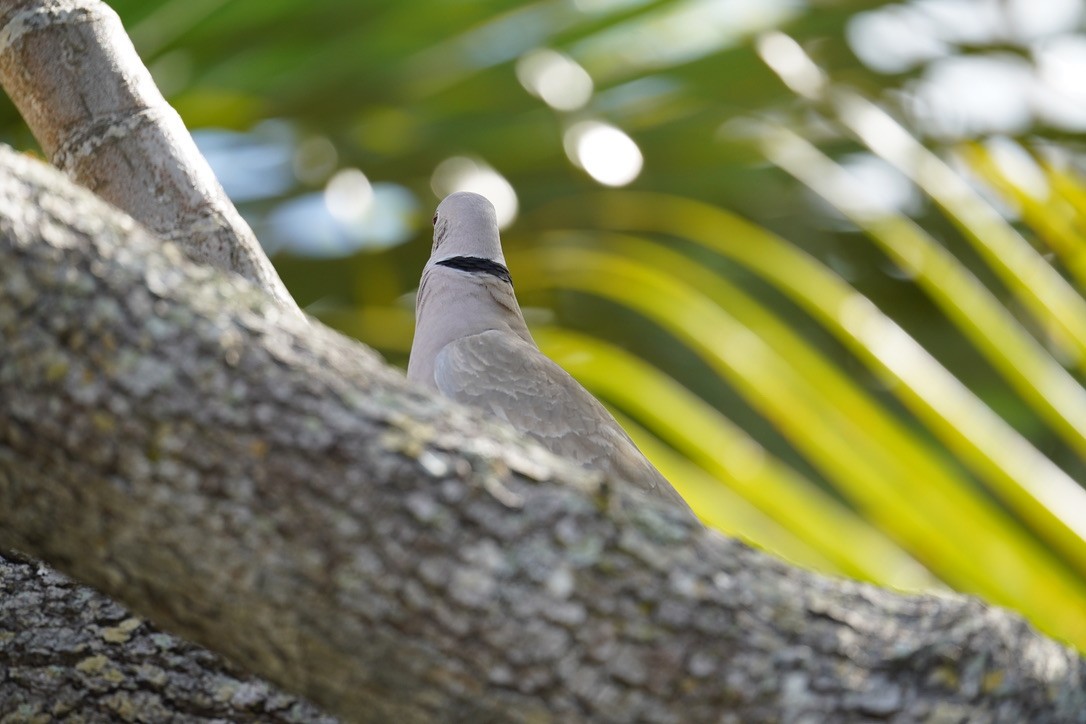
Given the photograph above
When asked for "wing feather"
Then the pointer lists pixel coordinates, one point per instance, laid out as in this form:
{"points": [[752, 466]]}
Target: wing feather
{"points": [[511, 379]]}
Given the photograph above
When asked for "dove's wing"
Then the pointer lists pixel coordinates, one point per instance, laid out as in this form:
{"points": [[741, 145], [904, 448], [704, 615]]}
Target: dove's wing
{"points": [[504, 375]]}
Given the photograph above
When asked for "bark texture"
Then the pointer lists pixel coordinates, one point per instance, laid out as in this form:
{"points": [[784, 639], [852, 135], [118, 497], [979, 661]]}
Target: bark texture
{"points": [[267, 488], [92, 105], [68, 653]]}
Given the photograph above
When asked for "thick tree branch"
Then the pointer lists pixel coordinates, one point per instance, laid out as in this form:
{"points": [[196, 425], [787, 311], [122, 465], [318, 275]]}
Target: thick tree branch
{"points": [[79, 84], [261, 486]]}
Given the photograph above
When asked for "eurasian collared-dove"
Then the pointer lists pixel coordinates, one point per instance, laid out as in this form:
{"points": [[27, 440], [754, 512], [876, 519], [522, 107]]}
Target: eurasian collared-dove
{"points": [[472, 345]]}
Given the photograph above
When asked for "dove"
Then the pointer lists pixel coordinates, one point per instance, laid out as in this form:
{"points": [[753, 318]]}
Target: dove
{"points": [[472, 345]]}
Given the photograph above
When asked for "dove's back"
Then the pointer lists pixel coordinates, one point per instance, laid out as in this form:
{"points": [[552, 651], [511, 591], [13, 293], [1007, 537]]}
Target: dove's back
{"points": [[511, 379]]}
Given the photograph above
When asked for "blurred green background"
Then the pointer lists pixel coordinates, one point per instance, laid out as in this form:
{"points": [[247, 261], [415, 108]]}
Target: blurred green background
{"points": [[825, 260]]}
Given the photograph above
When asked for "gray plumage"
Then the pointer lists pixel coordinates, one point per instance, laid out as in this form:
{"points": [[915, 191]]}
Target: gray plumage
{"points": [[471, 344]]}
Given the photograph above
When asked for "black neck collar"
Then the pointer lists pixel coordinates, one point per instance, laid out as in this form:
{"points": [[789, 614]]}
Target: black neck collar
{"points": [[477, 265]]}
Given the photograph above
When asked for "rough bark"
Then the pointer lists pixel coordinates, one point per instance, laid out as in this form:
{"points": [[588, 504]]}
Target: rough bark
{"points": [[69, 653], [92, 105], [264, 487]]}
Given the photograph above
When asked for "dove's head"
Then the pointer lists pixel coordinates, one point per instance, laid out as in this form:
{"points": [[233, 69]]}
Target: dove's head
{"points": [[465, 225]]}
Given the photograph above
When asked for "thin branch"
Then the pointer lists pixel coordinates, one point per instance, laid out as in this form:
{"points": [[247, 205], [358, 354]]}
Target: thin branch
{"points": [[79, 84]]}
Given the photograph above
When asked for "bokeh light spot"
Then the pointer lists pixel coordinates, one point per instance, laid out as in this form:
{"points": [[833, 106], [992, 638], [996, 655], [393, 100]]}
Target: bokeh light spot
{"points": [[340, 221], [605, 153], [555, 78], [348, 196], [460, 173], [315, 159]]}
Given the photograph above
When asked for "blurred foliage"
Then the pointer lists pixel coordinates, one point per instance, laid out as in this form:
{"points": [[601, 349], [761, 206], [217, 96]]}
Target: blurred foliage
{"points": [[846, 333]]}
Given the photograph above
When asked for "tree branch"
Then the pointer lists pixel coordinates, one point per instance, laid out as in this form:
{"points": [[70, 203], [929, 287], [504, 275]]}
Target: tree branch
{"points": [[263, 487], [67, 651], [79, 84]]}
